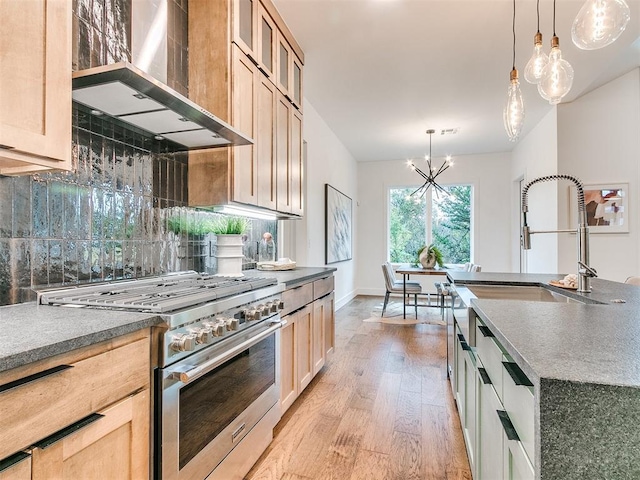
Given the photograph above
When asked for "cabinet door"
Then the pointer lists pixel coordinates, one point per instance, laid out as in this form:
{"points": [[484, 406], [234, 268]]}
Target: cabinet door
{"points": [[470, 407], [266, 156], [245, 26], [116, 445], [267, 32], [296, 82], [288, 364], [489, 449], [283, 154], [296, 164], [244, 94], [329, 325], [304, 335], [317, 335], [516, 463], [284, 56], [35, 86], [16, 467]]}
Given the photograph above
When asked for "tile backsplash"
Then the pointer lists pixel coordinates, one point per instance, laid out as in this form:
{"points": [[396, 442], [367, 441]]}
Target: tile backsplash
{"points": [[109, 218]]}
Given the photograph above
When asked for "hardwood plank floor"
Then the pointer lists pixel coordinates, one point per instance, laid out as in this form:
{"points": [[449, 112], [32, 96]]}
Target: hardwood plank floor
{"points": [[380, 409]]}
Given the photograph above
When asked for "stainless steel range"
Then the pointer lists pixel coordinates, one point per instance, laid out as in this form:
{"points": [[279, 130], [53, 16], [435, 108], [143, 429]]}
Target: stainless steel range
{"points": [[217, 382]]}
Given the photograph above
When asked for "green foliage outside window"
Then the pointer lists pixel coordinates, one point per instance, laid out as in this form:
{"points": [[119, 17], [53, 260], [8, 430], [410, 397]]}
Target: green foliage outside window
{"points": [[450, 224]]}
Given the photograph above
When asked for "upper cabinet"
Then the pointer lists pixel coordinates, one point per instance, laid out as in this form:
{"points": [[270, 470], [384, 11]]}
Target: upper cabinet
{"points": [[246, 68], [35, 86]]}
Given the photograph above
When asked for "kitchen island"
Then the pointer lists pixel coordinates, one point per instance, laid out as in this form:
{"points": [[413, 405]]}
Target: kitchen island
{"points": [[582, 361]]}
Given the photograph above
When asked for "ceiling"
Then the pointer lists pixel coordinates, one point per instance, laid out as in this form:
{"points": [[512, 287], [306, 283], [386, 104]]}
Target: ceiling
{"points": [[382, 72]]}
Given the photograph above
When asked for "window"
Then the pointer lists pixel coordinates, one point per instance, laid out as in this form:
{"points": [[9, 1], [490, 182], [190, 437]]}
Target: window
{"points": [[444, 220]]}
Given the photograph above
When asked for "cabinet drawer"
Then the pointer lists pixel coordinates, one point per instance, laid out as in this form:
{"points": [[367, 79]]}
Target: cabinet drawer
{"points": [[41, 404], [491, 356], [322, 287], [519, 405], [296, 298]]}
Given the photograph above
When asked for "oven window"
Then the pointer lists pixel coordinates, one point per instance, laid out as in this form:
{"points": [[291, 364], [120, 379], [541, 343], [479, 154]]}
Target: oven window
{"points": [[211, 403]]}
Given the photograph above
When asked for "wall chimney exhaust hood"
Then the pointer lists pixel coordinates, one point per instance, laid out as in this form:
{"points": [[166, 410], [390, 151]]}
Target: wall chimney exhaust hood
{"points": [[123, 91]]}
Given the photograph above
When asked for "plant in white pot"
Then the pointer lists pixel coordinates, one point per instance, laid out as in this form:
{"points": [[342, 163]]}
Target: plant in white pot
{"points": [[429, 256], [229, 231]]}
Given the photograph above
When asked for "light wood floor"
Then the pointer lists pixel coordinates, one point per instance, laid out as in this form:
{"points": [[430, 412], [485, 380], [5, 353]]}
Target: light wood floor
{"points": [[380, 409]]}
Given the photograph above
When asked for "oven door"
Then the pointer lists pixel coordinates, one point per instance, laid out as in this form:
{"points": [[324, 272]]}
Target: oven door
{"points": [[212, 399]]}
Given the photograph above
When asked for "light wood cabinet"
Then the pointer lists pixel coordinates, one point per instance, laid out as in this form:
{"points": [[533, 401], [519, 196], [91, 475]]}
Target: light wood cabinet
{"points": [[234, 73], [68, 403], [308, 338], [17, 467], [114, 445], [35, 86], [304, 343]]}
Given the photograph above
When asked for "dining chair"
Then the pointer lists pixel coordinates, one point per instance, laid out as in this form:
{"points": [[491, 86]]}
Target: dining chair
{"points": [[633, 280], [395, 286]]}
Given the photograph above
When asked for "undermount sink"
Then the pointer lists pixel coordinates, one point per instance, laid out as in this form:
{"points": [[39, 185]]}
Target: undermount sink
{"points": [[513, 292]]}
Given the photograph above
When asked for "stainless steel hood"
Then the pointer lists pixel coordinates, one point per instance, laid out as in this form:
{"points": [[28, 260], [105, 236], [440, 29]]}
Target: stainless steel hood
{"points": [[123, 91]]}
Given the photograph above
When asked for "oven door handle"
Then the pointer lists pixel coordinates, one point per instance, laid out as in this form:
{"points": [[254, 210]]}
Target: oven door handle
{"points": [[196, 372]]}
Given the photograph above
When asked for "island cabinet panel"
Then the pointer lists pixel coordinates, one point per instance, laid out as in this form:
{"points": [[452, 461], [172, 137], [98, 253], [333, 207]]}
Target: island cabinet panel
{"points": [[114, 445], [234, 72], [46, 400], [35, 86]]}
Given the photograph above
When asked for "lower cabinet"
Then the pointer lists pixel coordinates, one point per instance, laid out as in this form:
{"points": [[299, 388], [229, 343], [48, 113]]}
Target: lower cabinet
{"points": [[306, 341], [82, 414], [496, 408], [115, 444]]}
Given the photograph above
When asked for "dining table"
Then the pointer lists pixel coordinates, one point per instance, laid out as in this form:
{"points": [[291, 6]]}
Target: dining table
{"points": [[406, 272]]}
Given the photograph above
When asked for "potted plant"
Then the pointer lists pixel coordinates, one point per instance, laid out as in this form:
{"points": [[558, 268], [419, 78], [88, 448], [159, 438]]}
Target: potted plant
{"points": [[429, 256], [229, 231]]}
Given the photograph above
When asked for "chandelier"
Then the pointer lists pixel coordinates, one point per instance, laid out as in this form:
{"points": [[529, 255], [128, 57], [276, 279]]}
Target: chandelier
{"points": [[431, 173]]}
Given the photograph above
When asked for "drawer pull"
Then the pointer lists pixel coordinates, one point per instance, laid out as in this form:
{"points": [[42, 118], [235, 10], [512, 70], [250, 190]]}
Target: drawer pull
{"points": [[9, 462], [32, 378], [485, 331], [507, 425], [65, 432], [485, 376], [516, 374], [465, 346]]}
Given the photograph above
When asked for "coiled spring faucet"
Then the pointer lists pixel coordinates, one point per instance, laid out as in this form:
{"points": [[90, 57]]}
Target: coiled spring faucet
{"points": [[585, 272]]}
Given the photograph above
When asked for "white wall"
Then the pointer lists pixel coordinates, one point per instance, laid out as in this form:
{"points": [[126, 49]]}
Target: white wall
{"points": [[328, 161], [599, 140], [489, 175], [535, 156]]}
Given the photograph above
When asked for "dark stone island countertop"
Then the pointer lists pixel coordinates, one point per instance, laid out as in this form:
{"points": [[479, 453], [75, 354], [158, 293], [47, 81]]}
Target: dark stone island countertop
{"points": [[32, 332], [584, 362]]}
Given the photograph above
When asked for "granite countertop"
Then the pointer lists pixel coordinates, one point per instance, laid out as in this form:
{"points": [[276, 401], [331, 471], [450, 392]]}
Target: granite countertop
{"points": [[32, 332], [588, 343]]}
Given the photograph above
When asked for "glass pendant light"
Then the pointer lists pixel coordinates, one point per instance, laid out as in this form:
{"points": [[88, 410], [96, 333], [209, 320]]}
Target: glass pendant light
{"points": [[557, 75], [533, 69], [599, 23], [513, 113]]}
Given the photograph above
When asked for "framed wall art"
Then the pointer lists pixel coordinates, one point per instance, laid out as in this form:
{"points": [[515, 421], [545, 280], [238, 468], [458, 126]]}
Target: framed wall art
{"points": [[338, 225], [607, 207]]}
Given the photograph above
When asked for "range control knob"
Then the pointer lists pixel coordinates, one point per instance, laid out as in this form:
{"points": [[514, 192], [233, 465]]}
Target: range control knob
{"points": [[233, 324], [280, 304], [263, 309], [254, 314], [219, 329], [184, 342], [273, 306], [203, 335]]}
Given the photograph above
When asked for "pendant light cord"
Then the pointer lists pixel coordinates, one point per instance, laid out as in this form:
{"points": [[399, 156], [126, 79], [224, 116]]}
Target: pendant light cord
{"points": [[514, 34], [554, 18], [538, 13]]}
